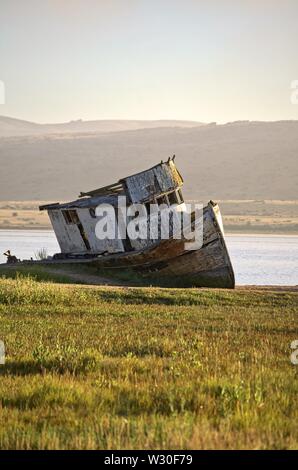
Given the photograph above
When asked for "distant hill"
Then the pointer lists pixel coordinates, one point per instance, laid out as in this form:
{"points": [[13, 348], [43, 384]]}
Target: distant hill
{"points": [[240, 160], [11, 127]]}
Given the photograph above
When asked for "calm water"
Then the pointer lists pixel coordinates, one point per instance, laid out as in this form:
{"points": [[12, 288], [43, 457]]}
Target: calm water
{"points": [[257, 259]]}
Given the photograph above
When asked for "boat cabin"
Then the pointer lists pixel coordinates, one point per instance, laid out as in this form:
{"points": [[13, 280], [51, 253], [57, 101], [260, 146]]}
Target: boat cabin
{"points": [[74, 222]]}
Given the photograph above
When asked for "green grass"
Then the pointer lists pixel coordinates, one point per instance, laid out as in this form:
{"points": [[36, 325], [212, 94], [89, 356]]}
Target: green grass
{"points": [[151, 368], [45, 273], [38, 272]]}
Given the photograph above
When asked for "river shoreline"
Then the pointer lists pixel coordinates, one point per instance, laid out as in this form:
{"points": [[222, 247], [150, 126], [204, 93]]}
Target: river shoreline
{"points": [[239, 216], [254, 231]]}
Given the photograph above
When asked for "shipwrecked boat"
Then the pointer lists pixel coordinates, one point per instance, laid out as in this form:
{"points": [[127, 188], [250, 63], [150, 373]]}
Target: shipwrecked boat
{"points": [[167, 260]]}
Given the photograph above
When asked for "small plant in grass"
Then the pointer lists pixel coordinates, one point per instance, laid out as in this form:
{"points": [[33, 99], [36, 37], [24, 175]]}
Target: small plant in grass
{"points": [[41, 254], [41, 355], [65, 357]]}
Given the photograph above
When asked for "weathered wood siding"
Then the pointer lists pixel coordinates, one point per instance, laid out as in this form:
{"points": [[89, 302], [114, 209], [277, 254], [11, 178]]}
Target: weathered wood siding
{"points": [[68, 236], [160, 226], [70, 239], [97, 245], [149, 184]]}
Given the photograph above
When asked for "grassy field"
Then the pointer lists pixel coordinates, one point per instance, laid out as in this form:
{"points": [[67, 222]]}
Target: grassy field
{"points": [[108, 368]]}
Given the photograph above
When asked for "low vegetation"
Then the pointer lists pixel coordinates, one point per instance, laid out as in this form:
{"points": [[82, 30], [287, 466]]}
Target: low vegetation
{"points": [[107, 368], [41, 254]]}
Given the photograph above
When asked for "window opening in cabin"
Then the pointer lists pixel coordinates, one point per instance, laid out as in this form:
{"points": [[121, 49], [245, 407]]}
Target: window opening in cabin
{"points": [[71, 218], [161, 200], [179, 194], [173, 199], [92, 212]]}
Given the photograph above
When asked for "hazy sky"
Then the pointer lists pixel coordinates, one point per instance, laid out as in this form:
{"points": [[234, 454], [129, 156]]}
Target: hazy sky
{"points": [[149, 59]]}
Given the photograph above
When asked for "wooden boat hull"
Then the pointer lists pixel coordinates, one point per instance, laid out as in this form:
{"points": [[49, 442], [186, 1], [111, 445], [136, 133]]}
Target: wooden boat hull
{"points": [[169, 263]]}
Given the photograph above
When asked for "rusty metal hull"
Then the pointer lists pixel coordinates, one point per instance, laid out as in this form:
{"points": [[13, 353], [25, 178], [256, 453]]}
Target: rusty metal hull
{"points": [[171, 264]]}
